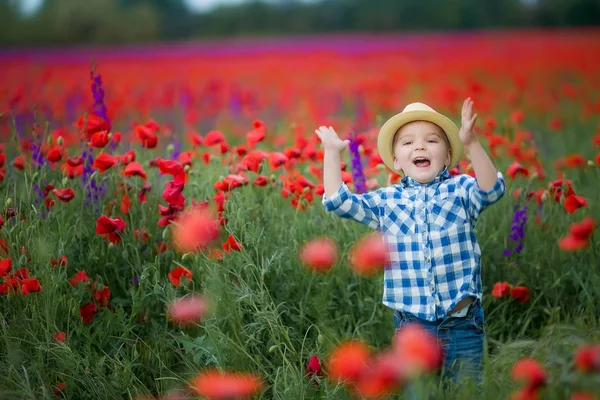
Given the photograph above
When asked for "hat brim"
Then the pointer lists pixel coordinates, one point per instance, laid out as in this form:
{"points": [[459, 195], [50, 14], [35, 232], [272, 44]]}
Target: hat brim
{"points": [[391, 126]]}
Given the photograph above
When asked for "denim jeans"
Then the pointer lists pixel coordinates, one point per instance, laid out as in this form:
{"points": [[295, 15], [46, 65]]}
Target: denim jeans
{"points": [[462, 339]]}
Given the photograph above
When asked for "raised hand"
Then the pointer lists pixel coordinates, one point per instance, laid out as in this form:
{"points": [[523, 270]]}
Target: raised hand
{"points": [[467, 133], [330, 139]]}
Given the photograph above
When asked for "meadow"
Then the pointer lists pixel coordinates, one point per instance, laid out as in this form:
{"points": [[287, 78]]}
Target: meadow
{"points": [[103, 149]]}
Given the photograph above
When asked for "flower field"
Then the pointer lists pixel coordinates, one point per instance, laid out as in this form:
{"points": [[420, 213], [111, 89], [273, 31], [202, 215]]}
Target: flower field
{"points": [[162, 233]]}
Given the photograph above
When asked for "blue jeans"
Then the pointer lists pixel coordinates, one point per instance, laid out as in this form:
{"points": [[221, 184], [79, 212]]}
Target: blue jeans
{"points": [[462, 339]]}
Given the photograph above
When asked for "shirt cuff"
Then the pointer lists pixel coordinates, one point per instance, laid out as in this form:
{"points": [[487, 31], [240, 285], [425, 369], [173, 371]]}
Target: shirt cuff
{"points": [[337, 198], [496, 192]]}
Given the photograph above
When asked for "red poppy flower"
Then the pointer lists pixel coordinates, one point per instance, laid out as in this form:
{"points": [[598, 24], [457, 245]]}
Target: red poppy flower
{"points": [[59, 336], [369, 255], [530, 372], [103, 162], [261, 180], [520, 293], [587, 358], [573, 203], [418, 350], [105, 225], [230, 182], [102, 297], [213, 137], [62, 261], [64, 195], [188, 310], [252, 160], [134, 168], [501, 289], [276, 160], [54, 154], [80, 276], [232, 244], [578, 237], [5, 267], [177, 273], [516, 169], [348, 361], [170, 167], [217, 385], [87, 312], [19, 163], [195, 229], [99, 139], [319, 254], [30, 285], [313, 367], [92, 124]]}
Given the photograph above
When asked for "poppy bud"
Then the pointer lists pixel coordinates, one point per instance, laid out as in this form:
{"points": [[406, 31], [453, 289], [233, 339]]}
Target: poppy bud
{"points": [[186, 168], [170, 148], [272, 178], [533, 176], [545, 196], [65, 180], [60, 140], [590, 163], [49, 140], [272, 348], [8, 202], [320, 338], [165, 234], [35, 175]]}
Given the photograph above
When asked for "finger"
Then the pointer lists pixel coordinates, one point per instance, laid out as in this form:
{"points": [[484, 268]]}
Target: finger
{"points": [[473, 119]]}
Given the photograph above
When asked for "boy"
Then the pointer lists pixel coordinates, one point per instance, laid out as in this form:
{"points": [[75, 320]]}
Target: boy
{"points": [[434, 272]]}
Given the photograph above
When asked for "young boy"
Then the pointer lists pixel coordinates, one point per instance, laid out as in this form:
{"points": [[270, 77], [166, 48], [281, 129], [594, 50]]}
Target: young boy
{"points": [[434, 272]]}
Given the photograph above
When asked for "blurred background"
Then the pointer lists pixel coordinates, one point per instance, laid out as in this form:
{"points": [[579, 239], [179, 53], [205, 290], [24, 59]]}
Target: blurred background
{"points": [[72, 22]]}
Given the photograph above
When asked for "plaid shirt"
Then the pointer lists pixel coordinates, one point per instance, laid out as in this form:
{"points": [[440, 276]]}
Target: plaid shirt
{"points": [[435, 260]]}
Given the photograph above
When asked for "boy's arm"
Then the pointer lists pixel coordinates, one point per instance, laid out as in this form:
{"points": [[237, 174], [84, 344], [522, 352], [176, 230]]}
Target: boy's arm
{"points": [[485, 171], [489, 186], [332, 173]]}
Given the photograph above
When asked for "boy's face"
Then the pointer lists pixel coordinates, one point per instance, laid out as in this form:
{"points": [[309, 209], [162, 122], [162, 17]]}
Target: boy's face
{"points": [[421, 150]]}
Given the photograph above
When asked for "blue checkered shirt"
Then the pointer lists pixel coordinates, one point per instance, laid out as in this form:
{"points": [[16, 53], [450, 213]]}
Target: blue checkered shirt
{"points": [[435, 260]]}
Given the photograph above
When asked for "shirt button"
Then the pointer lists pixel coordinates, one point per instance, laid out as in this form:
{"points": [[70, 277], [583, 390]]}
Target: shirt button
{"points": [[427, 259]]}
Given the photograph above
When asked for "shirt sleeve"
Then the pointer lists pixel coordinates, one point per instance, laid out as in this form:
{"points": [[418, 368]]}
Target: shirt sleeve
{"points": [[478, 200], [362, 208]]}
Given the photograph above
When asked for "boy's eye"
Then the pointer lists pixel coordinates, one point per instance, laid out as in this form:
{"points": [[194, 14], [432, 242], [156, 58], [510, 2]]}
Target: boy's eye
{"points": [[405, 143], [432, 141]]}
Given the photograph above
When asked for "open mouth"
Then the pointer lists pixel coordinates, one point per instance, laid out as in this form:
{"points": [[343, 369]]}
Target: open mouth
{"points": [[421, 162]]}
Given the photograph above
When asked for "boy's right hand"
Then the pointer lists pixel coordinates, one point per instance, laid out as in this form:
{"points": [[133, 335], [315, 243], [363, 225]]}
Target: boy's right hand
{"points": [[330, 139]]}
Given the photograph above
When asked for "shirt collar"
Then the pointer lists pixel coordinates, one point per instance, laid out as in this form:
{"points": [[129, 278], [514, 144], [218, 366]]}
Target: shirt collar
{"points": [[407, 181]]}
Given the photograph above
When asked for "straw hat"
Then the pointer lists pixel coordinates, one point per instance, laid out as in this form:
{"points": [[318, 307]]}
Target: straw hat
{"points": [[417, 112]]}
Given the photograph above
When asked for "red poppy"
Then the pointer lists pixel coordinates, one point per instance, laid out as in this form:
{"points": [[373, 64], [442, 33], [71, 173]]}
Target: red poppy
{"points": [[217, 385], [213, 137], [19, 163], [587, 358], [99, 139], [582, 396], [520, 293], [170, 167], [62, 261], [30, 285], [74, 161], [54, 154], [105, 225], [103, 162], [578, 237], [64, 195], [92, 124], [87, 312], [194, 230], [313, 367], [261, 180], [530, 372], [177, 273], [419, 351], [276, 160], [516, 169], [501, 289], [188, 310], [5, 266], [573, 203], [253, 159], [59, 336], [230, 182], [232, 244], [348, 361], [80, 276], [102, 296], [319, 254], [134, 168], [369, 255]]}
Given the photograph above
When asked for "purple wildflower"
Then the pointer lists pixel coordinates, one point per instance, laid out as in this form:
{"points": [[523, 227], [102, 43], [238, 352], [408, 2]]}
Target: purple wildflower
{"points": [[517, 230], [176, 149], [358, 175]]}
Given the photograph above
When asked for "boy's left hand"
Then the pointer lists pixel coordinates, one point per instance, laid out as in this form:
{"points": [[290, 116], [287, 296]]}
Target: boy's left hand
{"points": [[466, 133]]}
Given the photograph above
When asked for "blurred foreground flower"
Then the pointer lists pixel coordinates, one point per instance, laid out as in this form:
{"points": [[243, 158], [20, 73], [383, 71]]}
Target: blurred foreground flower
{"points": [[217, 385], [319, 254], [369, 255], [194, 230], [188, 310], [532, 374]]}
